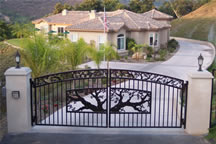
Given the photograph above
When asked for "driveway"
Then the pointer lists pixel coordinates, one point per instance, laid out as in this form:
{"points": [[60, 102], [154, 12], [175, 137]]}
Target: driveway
{"points": [[37, 138], [178, 66]]}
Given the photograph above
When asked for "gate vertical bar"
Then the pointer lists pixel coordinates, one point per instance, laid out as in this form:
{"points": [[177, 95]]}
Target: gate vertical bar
{"points": [[185, 112], [35, 96], [182, 104], [31, 99], [108, 97]]}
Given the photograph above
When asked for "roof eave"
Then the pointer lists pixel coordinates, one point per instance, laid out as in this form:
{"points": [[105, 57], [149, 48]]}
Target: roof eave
{"points": [[84, 30]]}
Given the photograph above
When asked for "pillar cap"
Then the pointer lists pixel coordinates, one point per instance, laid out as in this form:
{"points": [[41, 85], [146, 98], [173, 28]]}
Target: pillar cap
{"points": [[200, 75], [22, 71]]}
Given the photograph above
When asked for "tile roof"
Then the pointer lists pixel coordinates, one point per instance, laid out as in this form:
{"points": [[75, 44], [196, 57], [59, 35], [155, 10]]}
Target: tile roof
{"points": [[80, 21], [72, 17], [155, 14]]}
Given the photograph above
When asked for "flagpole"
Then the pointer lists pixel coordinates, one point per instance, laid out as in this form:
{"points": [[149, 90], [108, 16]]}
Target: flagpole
{"points": [[104, 27]]}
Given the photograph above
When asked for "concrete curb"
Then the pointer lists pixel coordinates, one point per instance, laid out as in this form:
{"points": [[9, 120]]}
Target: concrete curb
{"points": [[209, 44]]}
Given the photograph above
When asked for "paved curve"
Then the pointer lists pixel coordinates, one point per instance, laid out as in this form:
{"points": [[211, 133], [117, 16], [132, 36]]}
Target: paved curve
{"points": [[178, 66]]}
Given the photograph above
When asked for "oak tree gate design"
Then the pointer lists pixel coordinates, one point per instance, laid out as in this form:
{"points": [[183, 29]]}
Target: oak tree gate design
{"points": [[108, 98]]}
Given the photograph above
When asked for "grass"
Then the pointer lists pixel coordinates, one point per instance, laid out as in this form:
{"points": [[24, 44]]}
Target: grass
{"points": [[7, 58], [198, 24], [17, 42], [193, 28]]}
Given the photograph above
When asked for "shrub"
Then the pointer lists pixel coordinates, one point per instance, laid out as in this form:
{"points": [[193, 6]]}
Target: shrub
{"points": [[54, 39], [162, 53], [130, 43], [172, 45], [149, 51]]}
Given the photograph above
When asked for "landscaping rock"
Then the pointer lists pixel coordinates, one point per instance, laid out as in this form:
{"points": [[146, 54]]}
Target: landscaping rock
{"points": [[139, 55]]}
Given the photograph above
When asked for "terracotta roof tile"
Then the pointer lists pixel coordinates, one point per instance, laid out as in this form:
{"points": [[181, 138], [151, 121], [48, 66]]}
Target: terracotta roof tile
{"points": [[80, 20], [155, 14]]}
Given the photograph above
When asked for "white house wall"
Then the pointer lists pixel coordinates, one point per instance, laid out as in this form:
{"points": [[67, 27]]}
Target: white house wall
{"points": [[89, 36]]}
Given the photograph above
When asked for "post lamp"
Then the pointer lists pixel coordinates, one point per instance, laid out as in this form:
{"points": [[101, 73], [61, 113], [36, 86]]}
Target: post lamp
{"points": [[200, 62], [17, 60]]}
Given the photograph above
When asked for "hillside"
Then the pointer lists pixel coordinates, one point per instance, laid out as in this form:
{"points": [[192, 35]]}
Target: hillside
{"points": [[199, 24], [29, 9], [23, 10]]}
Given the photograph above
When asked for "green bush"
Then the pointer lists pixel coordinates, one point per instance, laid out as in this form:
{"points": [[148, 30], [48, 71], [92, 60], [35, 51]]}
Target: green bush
{"points": [[54, 39], [172, 45], [149, 52], [130, 43], [163, 54]]}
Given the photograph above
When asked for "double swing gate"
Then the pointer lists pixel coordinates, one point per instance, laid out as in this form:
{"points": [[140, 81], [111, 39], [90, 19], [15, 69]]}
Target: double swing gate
{"points": [[109, 98]]}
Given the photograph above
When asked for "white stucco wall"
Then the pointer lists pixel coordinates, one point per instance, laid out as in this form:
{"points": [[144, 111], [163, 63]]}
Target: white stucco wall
{"points": [[43, 26], [89, 36], [112, 37], [139, 37], [46, 26]]}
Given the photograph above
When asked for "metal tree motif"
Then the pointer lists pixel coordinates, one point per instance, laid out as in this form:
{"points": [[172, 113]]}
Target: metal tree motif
{"points": [[75, 96], [139, 100]]}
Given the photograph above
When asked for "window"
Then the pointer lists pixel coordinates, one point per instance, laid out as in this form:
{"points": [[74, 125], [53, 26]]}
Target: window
{"points": [[151, 39], [74, 37], [121, 42], [101, 41], [156, 39], [60, 30], [50, 27]]}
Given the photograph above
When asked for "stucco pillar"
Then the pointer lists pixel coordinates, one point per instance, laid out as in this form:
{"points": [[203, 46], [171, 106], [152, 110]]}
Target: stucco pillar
{"points": [[198, 104], [18, 108]]}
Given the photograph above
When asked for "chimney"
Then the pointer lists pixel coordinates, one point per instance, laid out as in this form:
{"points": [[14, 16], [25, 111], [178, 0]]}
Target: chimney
{"points": [[92, 14], [64, 12]]}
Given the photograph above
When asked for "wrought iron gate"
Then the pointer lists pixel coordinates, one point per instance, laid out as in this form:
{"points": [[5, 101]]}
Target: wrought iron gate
{"points": [[109, 98]]}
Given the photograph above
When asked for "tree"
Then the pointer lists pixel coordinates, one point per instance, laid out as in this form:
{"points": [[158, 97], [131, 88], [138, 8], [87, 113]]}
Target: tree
{"points": [[67, 7], [58, 8], [183, 7], [109, 53], [112, 5], [96, 55], [179, 8], [21, 30], [90, 5], [141, 6], [73, 53], [39, 55], [166, 8], [5, 31]]}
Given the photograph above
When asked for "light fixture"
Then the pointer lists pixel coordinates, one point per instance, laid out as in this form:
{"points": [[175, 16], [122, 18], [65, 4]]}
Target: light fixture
{"points": [[200, 62], [17, 60], [15, 94]]}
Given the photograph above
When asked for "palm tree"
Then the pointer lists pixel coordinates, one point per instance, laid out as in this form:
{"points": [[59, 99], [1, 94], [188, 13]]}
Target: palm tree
{"points": [[96, 55], [73, 53], [22, 30], [39, 55], [109, 53]]}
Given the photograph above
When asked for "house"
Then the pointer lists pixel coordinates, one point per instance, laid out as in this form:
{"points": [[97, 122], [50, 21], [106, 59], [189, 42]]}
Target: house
{"points": [[159, 16], [150, 28]]}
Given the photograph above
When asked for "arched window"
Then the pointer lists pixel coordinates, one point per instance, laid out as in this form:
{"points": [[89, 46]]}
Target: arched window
{"points": [[121, 41]]}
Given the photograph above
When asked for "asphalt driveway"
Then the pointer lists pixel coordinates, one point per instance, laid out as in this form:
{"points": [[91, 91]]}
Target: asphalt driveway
{"points": [[37, 138]]}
